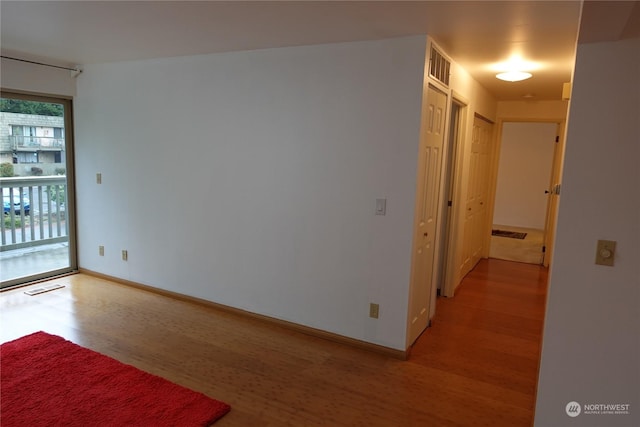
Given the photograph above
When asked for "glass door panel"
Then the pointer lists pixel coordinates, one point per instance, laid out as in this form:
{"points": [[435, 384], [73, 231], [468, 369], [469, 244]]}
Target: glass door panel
{"points": [[36, 169]]}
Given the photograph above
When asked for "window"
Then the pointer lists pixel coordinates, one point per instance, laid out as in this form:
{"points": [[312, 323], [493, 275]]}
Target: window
{"points": [[26, 157]]}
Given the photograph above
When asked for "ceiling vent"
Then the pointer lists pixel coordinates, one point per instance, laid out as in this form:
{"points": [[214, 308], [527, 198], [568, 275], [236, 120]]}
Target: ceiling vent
{"points": [[439, 66]]}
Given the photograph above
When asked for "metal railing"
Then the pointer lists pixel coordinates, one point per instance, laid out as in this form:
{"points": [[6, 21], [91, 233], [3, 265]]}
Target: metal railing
{"points": [[17, 142], [34, 211]]}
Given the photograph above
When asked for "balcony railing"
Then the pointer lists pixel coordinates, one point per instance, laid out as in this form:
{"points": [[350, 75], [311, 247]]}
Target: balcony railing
{"points": [[34, 211], [21, 142]]}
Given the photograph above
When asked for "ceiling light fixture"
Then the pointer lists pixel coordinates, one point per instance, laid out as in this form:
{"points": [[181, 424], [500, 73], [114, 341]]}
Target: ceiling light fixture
{"points": [[515, 69], [514, 76]]}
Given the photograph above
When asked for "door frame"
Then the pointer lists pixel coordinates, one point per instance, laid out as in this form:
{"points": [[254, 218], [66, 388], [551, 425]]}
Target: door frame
{"points": [[70, 195], [454, 236], [555, 179]]}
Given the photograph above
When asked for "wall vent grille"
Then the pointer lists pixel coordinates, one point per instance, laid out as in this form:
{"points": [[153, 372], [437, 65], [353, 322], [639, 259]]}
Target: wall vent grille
{"points": [[439, 66], [43, 289]]}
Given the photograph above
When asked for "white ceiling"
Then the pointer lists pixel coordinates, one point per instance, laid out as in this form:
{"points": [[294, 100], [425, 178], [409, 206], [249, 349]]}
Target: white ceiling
{"points": [[475, 33]]}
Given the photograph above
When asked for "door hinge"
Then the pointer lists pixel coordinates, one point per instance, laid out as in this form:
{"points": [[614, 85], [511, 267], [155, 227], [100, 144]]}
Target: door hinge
{"points": [[544, 249], [557, 138], [449, 203]]}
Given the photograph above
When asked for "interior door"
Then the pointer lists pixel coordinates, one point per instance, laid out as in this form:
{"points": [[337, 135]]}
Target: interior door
{"points": [[427, 197], [477, 190], [554, 195], [447, 200]]}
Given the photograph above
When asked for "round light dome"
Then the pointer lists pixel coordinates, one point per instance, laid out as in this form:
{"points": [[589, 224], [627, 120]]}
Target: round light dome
{"points": [[513, 76]]}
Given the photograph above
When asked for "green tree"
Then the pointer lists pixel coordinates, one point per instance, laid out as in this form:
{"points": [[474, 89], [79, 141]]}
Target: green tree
{"points": [[30, 107], [6, 169], [57, 193]]}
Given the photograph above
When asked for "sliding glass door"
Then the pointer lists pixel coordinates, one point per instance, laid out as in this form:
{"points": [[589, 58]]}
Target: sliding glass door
{"points": [[36, 177]]}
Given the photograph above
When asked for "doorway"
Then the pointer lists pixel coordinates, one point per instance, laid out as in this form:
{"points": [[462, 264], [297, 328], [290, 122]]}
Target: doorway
{"points": [[449, 175], [37, 230], [525, 167]]}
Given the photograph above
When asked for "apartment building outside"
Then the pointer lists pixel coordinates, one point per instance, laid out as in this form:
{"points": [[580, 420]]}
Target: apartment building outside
{"points": [[32, 143]]}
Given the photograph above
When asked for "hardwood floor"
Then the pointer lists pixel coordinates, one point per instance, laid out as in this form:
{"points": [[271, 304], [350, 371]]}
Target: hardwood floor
{"points": [[476, 366]]}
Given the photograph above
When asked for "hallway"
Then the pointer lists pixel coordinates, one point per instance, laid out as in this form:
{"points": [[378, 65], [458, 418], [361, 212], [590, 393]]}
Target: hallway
{"points": [[488, 337]]}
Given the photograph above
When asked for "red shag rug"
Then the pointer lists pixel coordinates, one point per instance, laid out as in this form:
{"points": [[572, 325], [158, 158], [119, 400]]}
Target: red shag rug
{"points": [[48, 381]]}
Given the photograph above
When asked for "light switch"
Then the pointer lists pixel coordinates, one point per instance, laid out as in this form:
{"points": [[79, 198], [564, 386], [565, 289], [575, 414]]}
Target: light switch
{"points": [[381, 206], [605, 253], [98, 178]]}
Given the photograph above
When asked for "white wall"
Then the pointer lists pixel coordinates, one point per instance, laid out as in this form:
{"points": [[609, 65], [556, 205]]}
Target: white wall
{"points": [[250, 179], [26, 77], [524, 172], [591, 344], [544, 110], [475, 95]]}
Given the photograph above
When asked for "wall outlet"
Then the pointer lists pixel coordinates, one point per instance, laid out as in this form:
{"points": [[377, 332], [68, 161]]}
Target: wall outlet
{"points": [[125, 255], [101, 250], [374, 310], [605, 252], [98, 178]]}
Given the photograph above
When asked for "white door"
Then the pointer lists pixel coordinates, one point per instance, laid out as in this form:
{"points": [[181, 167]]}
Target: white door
{"points": [[554, 195], [475, 220], [427, 198]]}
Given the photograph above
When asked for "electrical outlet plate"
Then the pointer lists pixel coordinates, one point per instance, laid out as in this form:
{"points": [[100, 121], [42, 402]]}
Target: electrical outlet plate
{"points": [[605, 252], [374, 310], [98, 178], [101, 250], [125, 255]]}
